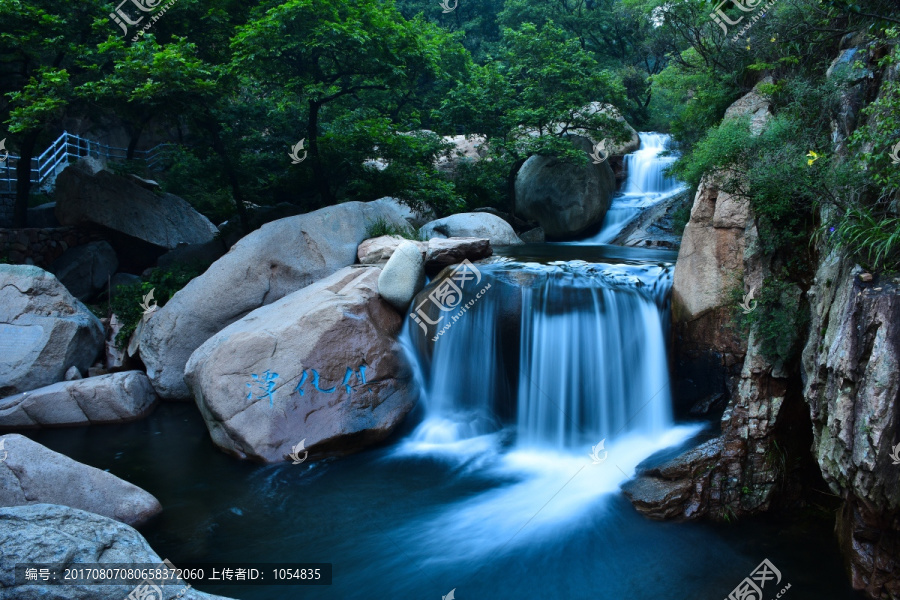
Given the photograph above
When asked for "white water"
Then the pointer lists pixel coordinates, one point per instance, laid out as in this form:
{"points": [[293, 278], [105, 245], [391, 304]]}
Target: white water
{"points": [[592, 366], [645, 185]]}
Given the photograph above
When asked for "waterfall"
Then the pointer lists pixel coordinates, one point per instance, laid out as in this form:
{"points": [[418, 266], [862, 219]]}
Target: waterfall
{"points": [[590, 360], [645, 185]]}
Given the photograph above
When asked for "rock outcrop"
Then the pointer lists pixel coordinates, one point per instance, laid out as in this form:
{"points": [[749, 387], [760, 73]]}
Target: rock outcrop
{"points": [[851, 373], [563, 197], [320, 366], [437, 252], [34, 474], [86, 270], [122, 205], [478, 225], [112, 398], [44, 330], [279, 258], [53, 534], [403, 276]]}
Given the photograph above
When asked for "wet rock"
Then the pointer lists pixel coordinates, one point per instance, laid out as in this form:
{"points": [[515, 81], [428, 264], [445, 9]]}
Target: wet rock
{"points": [[321, 365], [377, 250], [34, 474], [44, 330], [451, 251], [112, 398]]}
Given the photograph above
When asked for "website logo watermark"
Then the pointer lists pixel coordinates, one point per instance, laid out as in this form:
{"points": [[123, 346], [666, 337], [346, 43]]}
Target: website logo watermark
{"points": [[445, 4], [894, 457], [595, 452], [722, 20], [600, 153], [145, 304], [5, 152], [296, 450], [749, 304], [124, 20], [448, 296], [450, 596], [5, 453], [895, 154], [294, 154], [751, 588], [148, 590]]}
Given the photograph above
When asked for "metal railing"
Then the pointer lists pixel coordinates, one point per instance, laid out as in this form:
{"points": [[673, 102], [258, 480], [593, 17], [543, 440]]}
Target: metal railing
{"points": [[45, 167]]}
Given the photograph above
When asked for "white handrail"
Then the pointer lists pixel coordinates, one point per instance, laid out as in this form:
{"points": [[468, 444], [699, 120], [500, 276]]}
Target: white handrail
{"points": [[68, 146]]}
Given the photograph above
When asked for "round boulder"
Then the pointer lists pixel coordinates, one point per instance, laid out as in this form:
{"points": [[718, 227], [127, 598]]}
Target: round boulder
{"points": [[44, 330], [403, 276], [319, 371], [564, 198]]}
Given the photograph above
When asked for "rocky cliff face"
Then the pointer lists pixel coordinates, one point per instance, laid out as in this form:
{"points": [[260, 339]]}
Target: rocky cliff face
{"points": [[839, 405], [851, 376]]}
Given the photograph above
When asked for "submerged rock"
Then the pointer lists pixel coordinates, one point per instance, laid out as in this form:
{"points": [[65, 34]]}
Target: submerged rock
{"points": [[113, 398], [279, 258], [53, 534], [34, 474], [320, 366], [44, 330]]}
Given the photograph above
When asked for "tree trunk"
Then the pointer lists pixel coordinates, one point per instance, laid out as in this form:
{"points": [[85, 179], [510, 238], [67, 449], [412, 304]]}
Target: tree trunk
{"points": [[511, 185], [23, 179], [222, 152], [312, 131]]}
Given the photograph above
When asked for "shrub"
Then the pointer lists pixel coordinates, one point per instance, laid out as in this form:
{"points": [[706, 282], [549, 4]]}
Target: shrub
{"points": [[126, 304], [381, 227]]}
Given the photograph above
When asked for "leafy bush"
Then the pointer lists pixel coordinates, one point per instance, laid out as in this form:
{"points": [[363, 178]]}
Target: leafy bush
{"points": [[778, 319], [873, 239], [126, 304], [381, 227]]}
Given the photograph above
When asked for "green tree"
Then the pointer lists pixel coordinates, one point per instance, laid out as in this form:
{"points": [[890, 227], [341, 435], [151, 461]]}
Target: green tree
{"points": [[46, 51], [336, 58]]}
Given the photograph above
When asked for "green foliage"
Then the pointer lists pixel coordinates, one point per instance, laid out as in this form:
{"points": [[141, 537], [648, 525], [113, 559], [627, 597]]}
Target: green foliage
{"points": [[873, 239], [381, 227], [779, 318], [126, 304], [680, 218]]}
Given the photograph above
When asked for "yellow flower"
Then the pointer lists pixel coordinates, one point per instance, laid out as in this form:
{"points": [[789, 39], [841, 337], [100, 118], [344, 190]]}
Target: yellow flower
{"points": [[773, 39], [813, 157]]}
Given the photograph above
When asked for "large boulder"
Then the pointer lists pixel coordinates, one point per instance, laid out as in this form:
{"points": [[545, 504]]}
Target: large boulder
{"points": [[86, 270], [377, 250], [464, 149], [123, 205], [59, 535], [279, 258], [44, 330], [403, 276], [34, 474], [478, 225], [564, 198], [321, 365], [112, 398]]}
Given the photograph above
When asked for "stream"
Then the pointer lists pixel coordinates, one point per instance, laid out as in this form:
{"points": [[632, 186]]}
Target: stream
{"points": [[496, 486]]}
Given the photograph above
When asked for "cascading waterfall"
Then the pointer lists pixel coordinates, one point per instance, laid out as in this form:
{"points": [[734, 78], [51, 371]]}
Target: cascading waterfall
{"points": [[591, 357], [593, 360], [644, 186]]}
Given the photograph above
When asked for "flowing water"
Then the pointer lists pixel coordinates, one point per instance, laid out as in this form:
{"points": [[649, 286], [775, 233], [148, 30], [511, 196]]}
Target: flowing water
{"points": [[538, 403], [645, 185]]}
